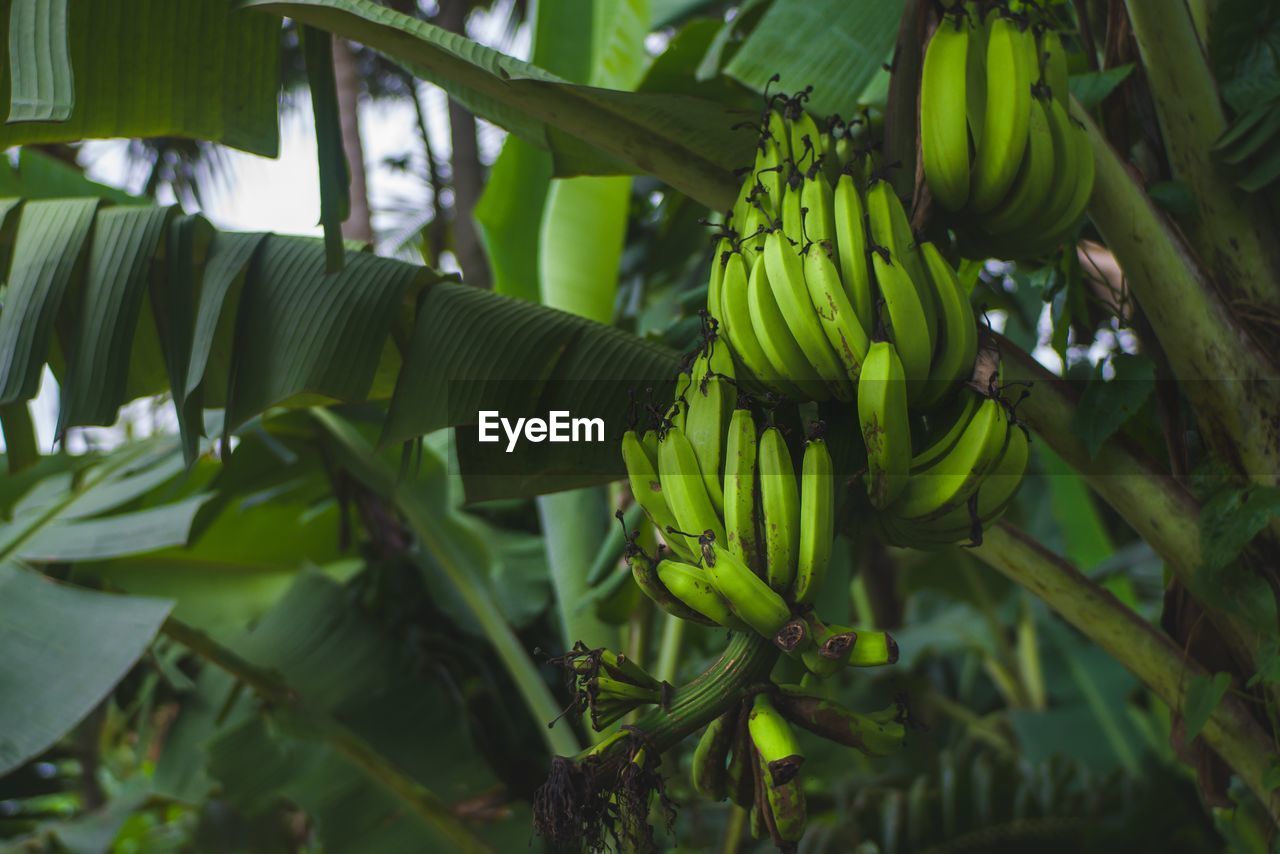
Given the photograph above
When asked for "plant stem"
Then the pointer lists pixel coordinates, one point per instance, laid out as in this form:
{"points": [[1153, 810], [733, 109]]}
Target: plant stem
{"points": [[735, 825], [746, 661], [271, 687], [669, 648], [1232, 233], [1149, 655], [1230, 383], [1154, 504]]}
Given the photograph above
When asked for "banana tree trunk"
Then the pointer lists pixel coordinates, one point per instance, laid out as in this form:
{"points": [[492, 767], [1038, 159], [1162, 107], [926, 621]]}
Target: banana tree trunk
{"points": [[359, 222]]}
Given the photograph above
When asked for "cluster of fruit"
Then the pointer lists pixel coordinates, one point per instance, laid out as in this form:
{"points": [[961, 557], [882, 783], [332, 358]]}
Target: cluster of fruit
{"points": [[996, 136], [750, 754]]}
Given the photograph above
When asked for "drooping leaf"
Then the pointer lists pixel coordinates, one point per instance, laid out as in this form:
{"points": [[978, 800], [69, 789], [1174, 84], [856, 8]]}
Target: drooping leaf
{"points": [[687, 142], [1106, 405], [1093, 87], [302, 331], [836, 46], [64, 650], [103, 344], [200, 69], [1204, 692], [50, 241], [41, 81]]}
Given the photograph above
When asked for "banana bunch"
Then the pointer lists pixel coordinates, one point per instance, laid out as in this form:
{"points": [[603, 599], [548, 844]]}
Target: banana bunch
{"points": [[751, 754], [996, 137], [609, 685], [958, 476], [818, 261]]}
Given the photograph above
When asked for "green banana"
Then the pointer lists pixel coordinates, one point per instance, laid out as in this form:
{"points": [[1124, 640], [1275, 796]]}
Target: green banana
{"points": [[802, 127], [882, 412], [780, 509], [1009, 77], [685, 489], [786, 278], [817, 199], [775, 741], [775, 338], [646, 487], [880, 734], [975, 84], [839, 321], [691, 586], [749, 597], [778, 131], [817, 520], [945, 428], [944, 128], [710, 774], [946, 485], [908, 328], [869, 648], [1056, 74], [851, 249], [711, 398], [716, 280], [891, 230], [1034, 183], [995, 493], [957, 348], [735, 322], [645, 572], [742, 760], [740, 490], [787, 812]]}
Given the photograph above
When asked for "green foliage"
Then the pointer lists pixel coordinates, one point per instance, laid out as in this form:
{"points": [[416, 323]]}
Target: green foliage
{"points": [[1107, 404], [1204, 693], [203, 70], [1092, 89]]}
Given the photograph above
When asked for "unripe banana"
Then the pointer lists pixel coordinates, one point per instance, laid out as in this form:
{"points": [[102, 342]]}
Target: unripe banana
{"points": [[776, 339], [769, 172], [869, 648], [646, 486], [880, 734], [908, 327], [749, 597], [957, 348], [1054, 56], [975, 87], [774, 739], [780, 510], [786, 804], [891, 230], [715, 281], [786, 278], [740, 491], [945, 427], [1007, 112], [742, 760], [711, 398], [817, 199], [839, 321], [817, 520], [735, 322], [944, 129], [851, 249], [645, 572], [995, 493], [947, 484], [691, 586], [1034, 183], [778, 131], [805, 139], [710, 775], [882, 412], [685, 490]]}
